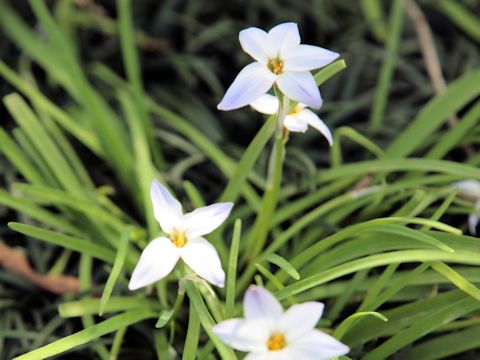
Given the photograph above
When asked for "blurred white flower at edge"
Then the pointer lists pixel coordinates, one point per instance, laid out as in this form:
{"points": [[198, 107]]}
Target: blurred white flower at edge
{"points": [[281, 60], [185, 241], [270, 333], [470, 189]]}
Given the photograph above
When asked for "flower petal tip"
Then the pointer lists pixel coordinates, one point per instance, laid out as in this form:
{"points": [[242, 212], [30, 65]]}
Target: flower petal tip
{"points": [[134, 285]]}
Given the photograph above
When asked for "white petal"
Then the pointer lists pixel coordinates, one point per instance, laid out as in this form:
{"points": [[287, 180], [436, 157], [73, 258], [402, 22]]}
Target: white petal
{"points": [[294, 124], [314, 121], [166, 209], [474, 219], [204, 220], [469, 188], [253, 41], [252, 81], [266, 104], [243, 335], [258, 356], [300, 319], [284, 354], [317, 345], [307, 57], [281, 38], [203, 258], [258, 303], [472, 224], [157, 261], [300, 86]]}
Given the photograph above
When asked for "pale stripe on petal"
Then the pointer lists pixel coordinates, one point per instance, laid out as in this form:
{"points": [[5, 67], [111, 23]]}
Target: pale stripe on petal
{"points": [[307, 57], [258, 303], [203, 259], [243, 335], [252, 81], [281, 38], [316, 345], [157, 261], [254, 43], [314, 121], [204, 220], [300, 86], [166, 209], [300, 319]]}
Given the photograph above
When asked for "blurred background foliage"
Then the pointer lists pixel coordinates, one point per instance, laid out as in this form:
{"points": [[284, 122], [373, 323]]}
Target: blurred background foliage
{"points": [[189, 53]]}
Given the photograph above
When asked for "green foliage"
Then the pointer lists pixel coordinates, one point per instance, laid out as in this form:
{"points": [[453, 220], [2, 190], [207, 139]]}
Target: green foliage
{"points": [[378, 234]]}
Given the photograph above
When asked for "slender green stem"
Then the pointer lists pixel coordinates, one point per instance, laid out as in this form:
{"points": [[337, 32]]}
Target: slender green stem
{"points": [[259, 233]]}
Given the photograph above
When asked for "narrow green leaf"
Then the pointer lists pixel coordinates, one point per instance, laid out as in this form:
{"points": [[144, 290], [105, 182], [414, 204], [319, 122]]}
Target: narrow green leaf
{"points": [[232, 269], [193, 335], [382, 90], [69, 242], [116, 269], [433, 115], [347, 323], [207, 321], [457, 279], [89, 306], [89, 334], [463, 18], [411, 233], [373, 12], [283, 264]]}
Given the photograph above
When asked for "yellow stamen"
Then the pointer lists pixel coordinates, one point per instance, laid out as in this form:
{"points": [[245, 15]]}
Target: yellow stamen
{"points": [[276, 342], [178, 238], [276, 66]]}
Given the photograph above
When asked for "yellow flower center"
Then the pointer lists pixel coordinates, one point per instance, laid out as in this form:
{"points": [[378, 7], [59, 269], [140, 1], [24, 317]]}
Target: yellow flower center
{"points": [[178, 238], [276, 66], [296, 110], [276, 342]]}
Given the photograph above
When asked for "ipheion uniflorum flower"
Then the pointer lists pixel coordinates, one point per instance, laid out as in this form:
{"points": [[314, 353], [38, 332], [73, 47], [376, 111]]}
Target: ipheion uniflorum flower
{"points": [[279, 59], [269, 333], [185, 241], [470, 190], [297, 120]]}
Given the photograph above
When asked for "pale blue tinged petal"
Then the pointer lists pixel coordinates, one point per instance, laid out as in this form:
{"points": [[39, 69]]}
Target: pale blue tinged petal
{"points": [[473, 223], [166, 209], [258, 303], [300, 86], [316, 345], [474, 219], [307, 57], [202, 258], [469, 188], [292, 123], [243, 335], [266, 104], [254, 43], [157, 261], [252, 82], [300, 319], [204, 220], [281, 38], [314, 121]]}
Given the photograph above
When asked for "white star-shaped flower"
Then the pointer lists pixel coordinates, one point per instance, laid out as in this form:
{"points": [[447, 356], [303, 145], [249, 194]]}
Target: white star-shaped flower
{"points": [[281, 60], [185, 241], [269, 333], [297, 120], [470, 189]]}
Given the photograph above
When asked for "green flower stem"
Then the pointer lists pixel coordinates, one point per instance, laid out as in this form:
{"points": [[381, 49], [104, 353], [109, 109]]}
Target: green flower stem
{"points": [[259, 233]]}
